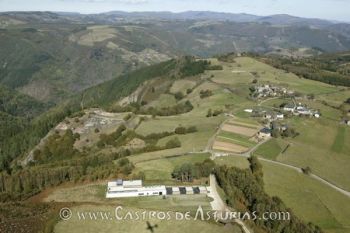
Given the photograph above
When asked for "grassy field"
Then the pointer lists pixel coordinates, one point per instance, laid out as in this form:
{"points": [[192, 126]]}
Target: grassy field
{"points": [[160, 169], [271, 149], [165, 100], [308, 198], [339, 141], [272, 75], [95, 193], [235, 138], [182, 86], [108, 226], [323, 146]]}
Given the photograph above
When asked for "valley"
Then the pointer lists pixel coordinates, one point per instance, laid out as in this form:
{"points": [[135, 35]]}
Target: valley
{"points": [[160, 134], [173, 113]]}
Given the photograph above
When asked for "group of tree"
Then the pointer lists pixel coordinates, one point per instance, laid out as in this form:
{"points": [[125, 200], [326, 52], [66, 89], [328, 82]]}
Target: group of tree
{"points": [[289, 132], [314, 69], [111, 139], [192, 67], [57, 147], [187, 172], [136, 108], [184, 130], [25, 182], [214, 113], [244, 191]]}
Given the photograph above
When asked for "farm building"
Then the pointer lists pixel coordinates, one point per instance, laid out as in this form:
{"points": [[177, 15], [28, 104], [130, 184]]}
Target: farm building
{"points": [[134, 188]]}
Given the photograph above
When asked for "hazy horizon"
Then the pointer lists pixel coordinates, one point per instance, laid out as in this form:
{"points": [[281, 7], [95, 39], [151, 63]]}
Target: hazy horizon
{"points": [[322, 9]]}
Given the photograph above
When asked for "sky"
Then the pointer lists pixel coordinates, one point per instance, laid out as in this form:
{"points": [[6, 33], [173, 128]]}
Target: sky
{"points": [[325, 9]]}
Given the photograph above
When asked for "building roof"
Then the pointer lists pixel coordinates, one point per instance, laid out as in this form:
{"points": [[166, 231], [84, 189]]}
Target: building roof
{"points": [[265, 131], [132, 183], [125, 183], [289, 106]]}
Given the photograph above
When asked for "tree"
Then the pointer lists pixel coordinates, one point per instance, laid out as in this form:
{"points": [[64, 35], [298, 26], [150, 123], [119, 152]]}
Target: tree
{"points": [[179, 95], [184, 172], [275, 133], [209, 114], [306, 170], [256, 168]]}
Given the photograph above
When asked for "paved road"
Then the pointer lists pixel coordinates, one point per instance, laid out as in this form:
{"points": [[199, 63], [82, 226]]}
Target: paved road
{"points": [[219, 205]]}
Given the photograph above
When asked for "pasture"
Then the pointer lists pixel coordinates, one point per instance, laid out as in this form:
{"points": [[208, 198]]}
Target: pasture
{"points": [[308, 198]]}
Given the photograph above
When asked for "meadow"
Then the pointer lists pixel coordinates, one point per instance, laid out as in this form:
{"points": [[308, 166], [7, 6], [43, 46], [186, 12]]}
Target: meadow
{"points": [[308, 198]]}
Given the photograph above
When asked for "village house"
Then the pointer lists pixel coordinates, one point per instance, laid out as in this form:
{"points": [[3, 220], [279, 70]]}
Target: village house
{"points": [[264, 133], [289, 108]]}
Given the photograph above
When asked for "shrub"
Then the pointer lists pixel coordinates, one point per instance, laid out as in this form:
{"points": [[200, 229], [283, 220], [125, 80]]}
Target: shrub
{"points": [[205, 93], [180, 130], [173, 143], [179, 95]]}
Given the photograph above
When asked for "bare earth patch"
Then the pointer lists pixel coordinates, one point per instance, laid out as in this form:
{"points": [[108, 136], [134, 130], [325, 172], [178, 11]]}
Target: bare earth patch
{"points": [[225, 146], [239, 130], [135, 143]]}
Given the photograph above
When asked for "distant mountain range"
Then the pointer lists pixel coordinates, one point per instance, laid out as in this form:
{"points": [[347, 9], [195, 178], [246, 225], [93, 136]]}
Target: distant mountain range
{"points": [[280, 19], [113, 16], [51, 55]]}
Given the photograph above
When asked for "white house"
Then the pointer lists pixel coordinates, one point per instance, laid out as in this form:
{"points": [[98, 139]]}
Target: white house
{"points": [[248, 110], [289, 108], [280, 116]]}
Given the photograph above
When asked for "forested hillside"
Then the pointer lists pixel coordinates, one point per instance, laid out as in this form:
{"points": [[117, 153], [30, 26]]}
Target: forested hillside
{"points": [[104, 95], [333, 69]]}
